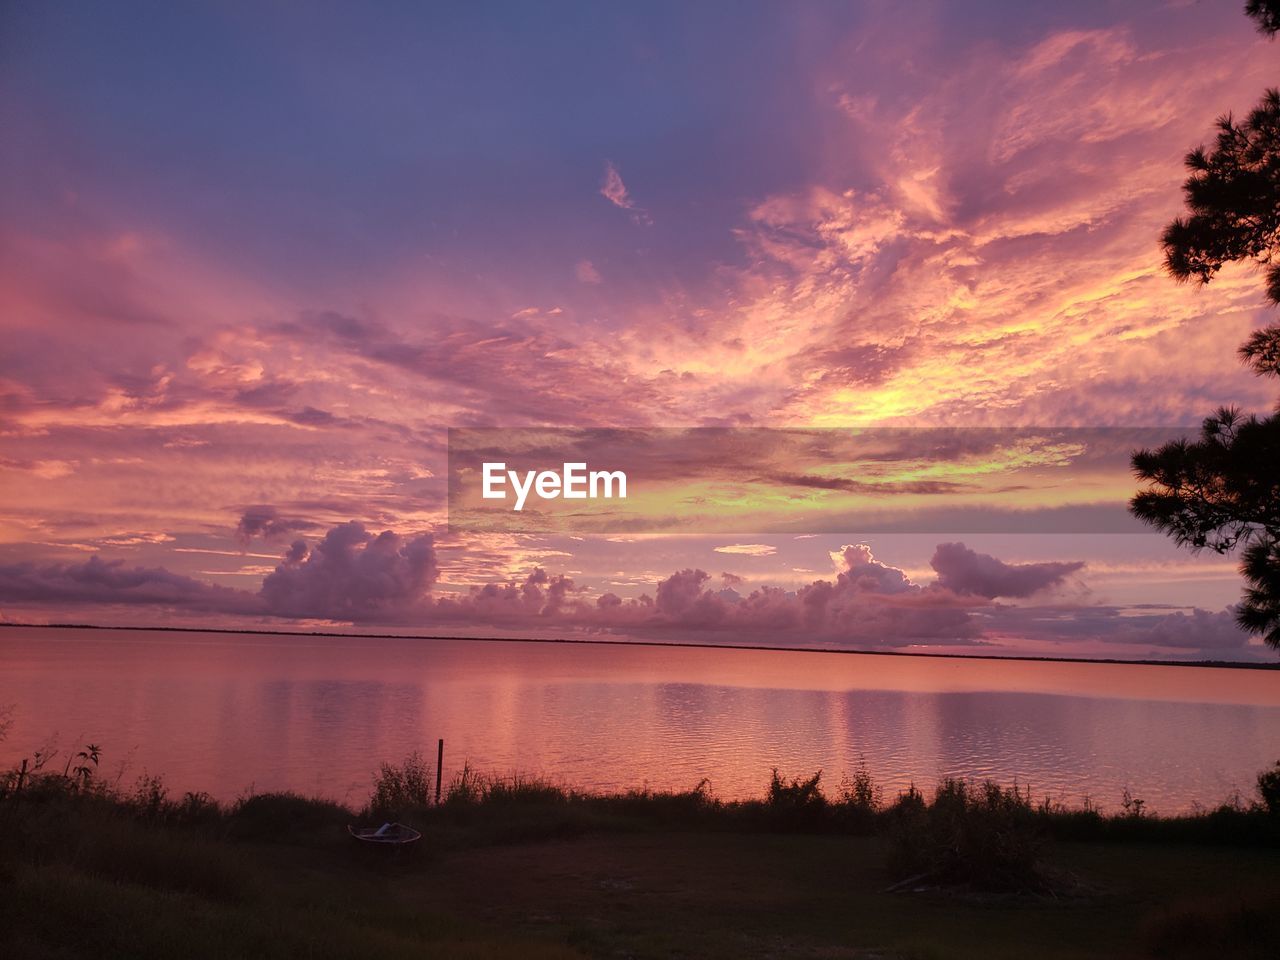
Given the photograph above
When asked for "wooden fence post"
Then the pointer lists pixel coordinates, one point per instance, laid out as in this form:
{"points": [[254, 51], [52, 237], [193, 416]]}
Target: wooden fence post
{"points": [[439, 765]]}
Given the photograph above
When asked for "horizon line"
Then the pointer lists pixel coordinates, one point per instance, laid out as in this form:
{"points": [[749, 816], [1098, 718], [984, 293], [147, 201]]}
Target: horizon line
{"points": [[1217, 664]]}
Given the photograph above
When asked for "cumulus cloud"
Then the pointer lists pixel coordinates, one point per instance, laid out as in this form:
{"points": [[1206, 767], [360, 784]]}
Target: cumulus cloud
{"points": [[98, 581], [683, 598], [353, 575], [868, 604], [1148, 630], [856, 567], [356, 576], [966, 571], [1200, 629]]}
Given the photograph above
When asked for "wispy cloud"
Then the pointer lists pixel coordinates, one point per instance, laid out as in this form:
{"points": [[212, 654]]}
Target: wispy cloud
{"points": [[955, 230], [748, 549], [615, 191], [586, 272]]}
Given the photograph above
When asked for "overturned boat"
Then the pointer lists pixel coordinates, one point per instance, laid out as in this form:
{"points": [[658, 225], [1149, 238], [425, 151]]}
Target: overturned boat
{"points": [[387, 835]]}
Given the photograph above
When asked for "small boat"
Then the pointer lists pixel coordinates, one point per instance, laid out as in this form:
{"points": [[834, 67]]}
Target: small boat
{"points": [[387, 835]]}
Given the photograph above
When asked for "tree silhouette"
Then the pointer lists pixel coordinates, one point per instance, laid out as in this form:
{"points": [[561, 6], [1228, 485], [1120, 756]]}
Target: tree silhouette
{"points": [[1233, 195], [1222, 491], [1266, 13]]}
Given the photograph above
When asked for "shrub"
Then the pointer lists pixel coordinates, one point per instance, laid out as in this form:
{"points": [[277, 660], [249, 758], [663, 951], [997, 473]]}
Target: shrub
{"points": [[195, 808], [908, 803], [397, 790], [1133, 806], [858, 801], [985, 836], [1269, 789], [797, 803], [150, 798]]}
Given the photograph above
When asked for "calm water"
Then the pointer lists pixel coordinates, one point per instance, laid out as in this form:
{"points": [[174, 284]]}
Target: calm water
{"points": [[222, 713]]}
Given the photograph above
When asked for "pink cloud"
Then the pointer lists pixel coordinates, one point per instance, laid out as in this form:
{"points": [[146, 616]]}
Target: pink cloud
{"points": [[98, 581], [586, 272], [265, 521], [966, 571], [747, 549], [1197, 630], [974, 243], [353, 575], [615, 191]]}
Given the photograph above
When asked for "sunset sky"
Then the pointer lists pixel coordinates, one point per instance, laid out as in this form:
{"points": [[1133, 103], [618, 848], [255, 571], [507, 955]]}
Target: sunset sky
{"points": [[255, 261]]}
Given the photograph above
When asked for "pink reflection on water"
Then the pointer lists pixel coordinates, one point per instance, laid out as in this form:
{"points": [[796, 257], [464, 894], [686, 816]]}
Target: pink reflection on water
{"points": [[223, 713]]}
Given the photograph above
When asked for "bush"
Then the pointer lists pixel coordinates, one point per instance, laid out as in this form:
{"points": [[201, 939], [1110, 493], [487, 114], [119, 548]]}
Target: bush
{"points": [[907, 804], [1269, 789], [150, 801], [796, 804], [150, 798], [399, 790], [195, 808], [858, 802], [985, 836]]}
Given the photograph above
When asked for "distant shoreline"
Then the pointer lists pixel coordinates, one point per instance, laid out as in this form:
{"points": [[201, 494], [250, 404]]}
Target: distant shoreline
{"points": [[1217, 664]]}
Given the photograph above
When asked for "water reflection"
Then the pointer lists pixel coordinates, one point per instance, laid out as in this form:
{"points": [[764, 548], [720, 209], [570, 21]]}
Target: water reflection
{"points": [[223, 713]]}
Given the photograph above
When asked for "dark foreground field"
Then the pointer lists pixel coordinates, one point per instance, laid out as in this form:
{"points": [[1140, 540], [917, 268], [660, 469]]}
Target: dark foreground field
{"points": [[530, 871]]}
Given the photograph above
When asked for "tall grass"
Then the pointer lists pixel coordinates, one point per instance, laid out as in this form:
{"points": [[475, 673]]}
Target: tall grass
{"points": [[89, 868], [982, 835], [470, 787], [400, 789]]}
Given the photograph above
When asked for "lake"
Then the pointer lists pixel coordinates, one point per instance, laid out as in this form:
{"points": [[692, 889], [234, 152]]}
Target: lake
{"points": [[226, 712]]}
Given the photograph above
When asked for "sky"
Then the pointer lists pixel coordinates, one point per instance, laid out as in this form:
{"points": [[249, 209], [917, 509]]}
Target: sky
{"points": [[257, 259]]}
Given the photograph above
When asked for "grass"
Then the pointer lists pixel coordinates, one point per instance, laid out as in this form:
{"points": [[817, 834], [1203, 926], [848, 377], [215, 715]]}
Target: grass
{"points": [[83, 874], [1219, 927], [519, 866]]}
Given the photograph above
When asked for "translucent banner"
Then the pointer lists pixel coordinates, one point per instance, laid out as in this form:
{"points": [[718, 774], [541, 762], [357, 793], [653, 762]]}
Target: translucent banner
{"points": [[798, 481]]}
